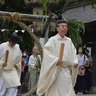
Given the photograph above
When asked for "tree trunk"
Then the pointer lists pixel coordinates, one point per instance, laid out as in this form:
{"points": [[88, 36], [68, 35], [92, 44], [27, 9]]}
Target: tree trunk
{"points": [[47, 24], [46, 35]]}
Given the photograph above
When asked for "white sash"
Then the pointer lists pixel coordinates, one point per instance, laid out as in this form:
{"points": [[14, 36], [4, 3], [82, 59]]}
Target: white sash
{"points": [[1, 52]]}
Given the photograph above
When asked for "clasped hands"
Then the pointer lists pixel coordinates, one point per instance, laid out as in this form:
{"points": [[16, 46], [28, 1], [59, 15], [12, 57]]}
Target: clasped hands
{"points": [[59, 63], [5, 64]]}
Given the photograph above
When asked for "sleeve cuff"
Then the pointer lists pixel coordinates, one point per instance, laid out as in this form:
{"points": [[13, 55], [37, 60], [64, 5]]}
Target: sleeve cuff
{"points": [[1, 64]]}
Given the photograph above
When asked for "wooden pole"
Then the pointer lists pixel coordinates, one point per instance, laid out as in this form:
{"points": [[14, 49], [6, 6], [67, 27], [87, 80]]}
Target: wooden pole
{"points": [[61, 51], [6, 56], [24, 17]]}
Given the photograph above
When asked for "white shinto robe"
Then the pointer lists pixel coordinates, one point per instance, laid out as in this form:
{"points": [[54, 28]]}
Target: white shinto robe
{"points": [[10, 75], [55, 80]]}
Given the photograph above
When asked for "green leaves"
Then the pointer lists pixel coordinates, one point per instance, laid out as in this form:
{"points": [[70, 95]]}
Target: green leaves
{"points": [[39, 62], [86, 2], [44, 5], [74, 29], [2, 2]]}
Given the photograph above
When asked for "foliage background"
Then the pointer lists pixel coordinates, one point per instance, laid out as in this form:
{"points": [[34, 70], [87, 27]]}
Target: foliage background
{"points": [[25, 41], [19, 6]]}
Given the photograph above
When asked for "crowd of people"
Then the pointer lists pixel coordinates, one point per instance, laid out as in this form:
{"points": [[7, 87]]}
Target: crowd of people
{"points": [[83, 82]]}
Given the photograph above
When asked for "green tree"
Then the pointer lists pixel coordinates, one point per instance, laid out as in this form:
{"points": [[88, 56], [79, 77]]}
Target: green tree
{"points": [[15, 6]]}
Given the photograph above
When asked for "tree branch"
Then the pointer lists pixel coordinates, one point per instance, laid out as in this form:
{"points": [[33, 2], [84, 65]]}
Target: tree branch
{"points": [[29, 93], [23, 26], [23, 17]]}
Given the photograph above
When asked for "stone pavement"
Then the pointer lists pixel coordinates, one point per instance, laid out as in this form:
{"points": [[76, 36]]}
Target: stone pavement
{"points": [[77, 95], [20, 94], [87, 95]]}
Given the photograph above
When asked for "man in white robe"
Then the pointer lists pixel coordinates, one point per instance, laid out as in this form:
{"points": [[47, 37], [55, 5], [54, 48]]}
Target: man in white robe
{"points": [[10, 71], [57, 78]]}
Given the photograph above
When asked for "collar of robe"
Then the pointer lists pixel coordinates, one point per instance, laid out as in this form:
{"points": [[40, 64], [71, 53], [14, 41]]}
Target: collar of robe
{"points": [[8, 43], [60, 38]]}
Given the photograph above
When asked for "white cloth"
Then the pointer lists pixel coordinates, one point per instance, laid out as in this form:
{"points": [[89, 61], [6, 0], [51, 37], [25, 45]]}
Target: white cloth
{"points": [[55, 80], [1, 57], [10, 74], [33, 61], [7, 91], [81, 59], [33, 75], [33, 78]]}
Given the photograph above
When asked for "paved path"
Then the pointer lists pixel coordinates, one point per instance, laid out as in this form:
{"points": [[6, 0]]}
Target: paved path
{"points": [[77, 95], [88, 95]]}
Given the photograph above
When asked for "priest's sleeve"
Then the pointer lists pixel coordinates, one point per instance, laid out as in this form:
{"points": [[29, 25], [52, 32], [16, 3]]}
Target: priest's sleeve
{"points": [[48, 69], [75, 61], [18, 64], [1, 56]]}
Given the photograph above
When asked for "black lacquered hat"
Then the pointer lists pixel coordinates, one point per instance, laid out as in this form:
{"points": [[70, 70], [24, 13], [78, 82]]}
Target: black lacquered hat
{"points": [[14, 37]]}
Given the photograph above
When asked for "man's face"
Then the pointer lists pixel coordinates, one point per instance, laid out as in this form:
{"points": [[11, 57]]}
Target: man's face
{"points": [[62, 29], [12, 44]]}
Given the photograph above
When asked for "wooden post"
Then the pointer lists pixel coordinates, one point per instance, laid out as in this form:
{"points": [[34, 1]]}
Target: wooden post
{"points": [[46, 35], [24, 17], [61, 51], [6, 56]]}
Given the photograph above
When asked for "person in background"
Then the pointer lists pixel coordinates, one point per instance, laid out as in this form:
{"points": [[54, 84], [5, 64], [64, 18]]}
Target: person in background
{"points": [[26, 58], [34, 62], [22, 72], [80, 86], [22, 69]]}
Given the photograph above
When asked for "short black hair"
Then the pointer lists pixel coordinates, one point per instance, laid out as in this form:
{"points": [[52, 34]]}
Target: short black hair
{"points": [[60, 21]]}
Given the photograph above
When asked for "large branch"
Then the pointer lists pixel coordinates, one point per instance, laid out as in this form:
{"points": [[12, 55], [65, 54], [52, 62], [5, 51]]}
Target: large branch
{"points": [[23, 26], [23, 17], [28, 29], [29, 93]]}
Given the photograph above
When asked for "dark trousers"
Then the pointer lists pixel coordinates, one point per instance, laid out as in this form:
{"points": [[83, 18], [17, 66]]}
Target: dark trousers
{"points": [[25, 71], [22, 77], [80, 84], [88, 77]]}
